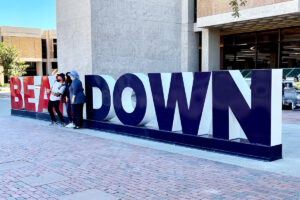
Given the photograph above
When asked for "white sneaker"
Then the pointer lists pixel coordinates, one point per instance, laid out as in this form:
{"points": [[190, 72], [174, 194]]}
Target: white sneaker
{"points": [[70, 125]]}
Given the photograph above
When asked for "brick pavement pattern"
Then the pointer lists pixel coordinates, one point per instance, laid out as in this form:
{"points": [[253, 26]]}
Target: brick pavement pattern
{"points": [[125, 171]]}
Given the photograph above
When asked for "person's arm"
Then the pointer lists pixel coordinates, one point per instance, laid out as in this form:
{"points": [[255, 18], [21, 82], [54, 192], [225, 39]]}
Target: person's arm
{"points": [[62, 90], [73, 99]]}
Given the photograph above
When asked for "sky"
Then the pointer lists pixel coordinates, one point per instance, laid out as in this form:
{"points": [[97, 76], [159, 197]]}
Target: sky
{"points": [[28, 13]]}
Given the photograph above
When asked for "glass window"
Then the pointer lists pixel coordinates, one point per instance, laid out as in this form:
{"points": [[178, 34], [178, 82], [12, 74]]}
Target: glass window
{"points": [[239, 51], [44, 48], [290, 34], [268, 36], [54, 65], [267, 55], [245, 39], [228, 40], [262, 50], [229, 57], [31, 70], [251, 51], [290, 54], [54, 51], [245, 57]]}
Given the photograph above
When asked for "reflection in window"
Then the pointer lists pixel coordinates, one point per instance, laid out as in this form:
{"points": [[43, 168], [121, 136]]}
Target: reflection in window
{"points": [[290, 54]]}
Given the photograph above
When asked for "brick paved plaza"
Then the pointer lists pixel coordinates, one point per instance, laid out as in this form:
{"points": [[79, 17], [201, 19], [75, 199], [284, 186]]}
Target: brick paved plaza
{"points": [[42, 162]]}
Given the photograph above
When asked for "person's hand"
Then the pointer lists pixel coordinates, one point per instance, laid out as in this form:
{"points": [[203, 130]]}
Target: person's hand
{"points": [[67, 99], [73, 101], [48, 91]]}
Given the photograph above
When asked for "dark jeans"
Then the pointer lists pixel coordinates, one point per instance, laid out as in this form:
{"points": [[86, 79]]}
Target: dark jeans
{"points": [[55, 105], [77, 110], [69, 111]]}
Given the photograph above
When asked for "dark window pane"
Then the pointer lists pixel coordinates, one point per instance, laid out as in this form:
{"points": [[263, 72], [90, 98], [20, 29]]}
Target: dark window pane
{"points": [[245, 57], [54, 65], [227, 40], [229, 57], [245, 39], [268, 37], [290, 54], [291, 34], [55, 51], [6, 79], [31, 70], [267, 55], [44, 48]]}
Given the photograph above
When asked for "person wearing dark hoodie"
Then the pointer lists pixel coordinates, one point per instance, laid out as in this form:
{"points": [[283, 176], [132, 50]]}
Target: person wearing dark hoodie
{"points": [[77, 98], [56, 94], [68, 101]]}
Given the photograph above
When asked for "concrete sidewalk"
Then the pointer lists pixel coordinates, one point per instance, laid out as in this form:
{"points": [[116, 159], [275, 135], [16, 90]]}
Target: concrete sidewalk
{"points": [[42, 162]]}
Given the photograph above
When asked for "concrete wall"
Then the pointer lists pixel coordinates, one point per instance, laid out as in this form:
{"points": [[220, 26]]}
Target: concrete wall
{"points": [[126, 36], [136, 36], [74, 35]]}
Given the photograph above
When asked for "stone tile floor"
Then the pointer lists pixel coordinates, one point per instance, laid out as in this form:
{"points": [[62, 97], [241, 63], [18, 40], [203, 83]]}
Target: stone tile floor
{"points": [[41, 162], [291, 116]]}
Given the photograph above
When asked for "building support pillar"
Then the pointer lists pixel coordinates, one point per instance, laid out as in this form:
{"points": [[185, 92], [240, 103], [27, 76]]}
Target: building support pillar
{"points": [[210, 49], [189, 39], [39, 69]]}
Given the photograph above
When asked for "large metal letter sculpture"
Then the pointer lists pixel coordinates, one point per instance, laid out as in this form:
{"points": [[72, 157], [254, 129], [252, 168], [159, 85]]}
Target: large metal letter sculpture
{"points": [[16, 96], [190, 113], [28, 93], [211, 110], [106, 85]]}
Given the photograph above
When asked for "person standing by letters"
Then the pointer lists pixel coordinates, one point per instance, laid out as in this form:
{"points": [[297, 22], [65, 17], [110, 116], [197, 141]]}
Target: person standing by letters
{"points": [[56, 93], [68, 101], [77, 98]]}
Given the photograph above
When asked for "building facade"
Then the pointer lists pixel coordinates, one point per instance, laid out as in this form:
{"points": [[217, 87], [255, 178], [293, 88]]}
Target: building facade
{"points": [[36, 47], [266, 35], [118, 36]]}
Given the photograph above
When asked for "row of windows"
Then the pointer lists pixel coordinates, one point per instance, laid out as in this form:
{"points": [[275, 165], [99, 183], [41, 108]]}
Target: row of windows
{"points": [[44, 48], [32, 70], [260, 50], [278, 48]]}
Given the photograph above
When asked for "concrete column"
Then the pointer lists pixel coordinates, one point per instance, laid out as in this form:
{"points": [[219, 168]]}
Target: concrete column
{"points": [[210, 50], [39, 68], [189, 39]]}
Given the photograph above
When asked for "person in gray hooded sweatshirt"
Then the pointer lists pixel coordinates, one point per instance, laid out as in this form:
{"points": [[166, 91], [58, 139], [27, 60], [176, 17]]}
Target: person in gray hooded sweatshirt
{"points": [[77, 98]]}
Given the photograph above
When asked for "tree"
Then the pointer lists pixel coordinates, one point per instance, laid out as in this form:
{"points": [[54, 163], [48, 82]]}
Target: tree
{"points": [[18, 69], [9, 60], [235, 4]]}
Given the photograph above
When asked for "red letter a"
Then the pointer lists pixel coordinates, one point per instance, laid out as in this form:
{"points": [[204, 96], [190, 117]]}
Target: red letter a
{"points": [[45, 85]]}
